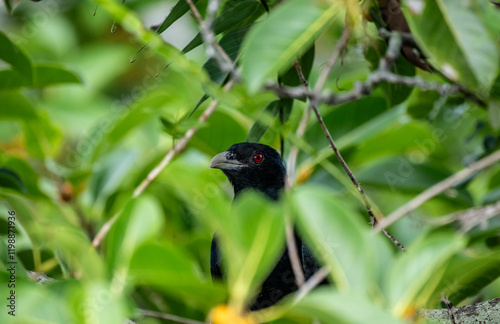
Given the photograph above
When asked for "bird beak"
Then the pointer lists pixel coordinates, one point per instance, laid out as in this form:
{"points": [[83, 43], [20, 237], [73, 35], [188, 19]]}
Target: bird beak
{"points": [[220, 161]]}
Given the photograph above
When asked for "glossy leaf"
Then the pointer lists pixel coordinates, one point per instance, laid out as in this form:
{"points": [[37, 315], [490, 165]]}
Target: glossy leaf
{"points": [[229, 19], [179, 9], [455, 41], [270, 47]]}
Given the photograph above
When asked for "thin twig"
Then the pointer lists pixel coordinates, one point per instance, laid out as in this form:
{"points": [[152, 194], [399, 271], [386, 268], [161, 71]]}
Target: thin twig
{"points": [[452, 313], [174, 151], [385, 64], [382, 74], [340, 47], [468, 218], [214, 50], [169, 317], [312, 283], [439, 188], [293, 253], [294, 151]]}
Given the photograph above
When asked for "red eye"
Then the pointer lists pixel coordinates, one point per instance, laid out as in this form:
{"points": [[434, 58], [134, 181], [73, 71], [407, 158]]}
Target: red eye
{"points": [[258, 157]]}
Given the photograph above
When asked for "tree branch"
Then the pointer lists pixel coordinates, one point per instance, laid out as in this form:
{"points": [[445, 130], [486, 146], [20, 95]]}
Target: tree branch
{"points": [[174, 151], [485, 312], [214, 50], [439, 188]]}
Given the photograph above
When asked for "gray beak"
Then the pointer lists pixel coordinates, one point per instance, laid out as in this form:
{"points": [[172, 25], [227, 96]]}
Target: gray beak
{"points": [[220, 161]]}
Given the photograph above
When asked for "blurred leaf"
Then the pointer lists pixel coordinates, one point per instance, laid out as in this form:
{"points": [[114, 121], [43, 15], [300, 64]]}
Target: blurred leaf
{"points": [[171, 269], [344, 121], [229, 19], [291, 77], [230, 43], [140, 221], [41, 137], [252, 239], [180, 8], [340, 240], [420, 103], [13, 55], [271, 47], [329, 306], [112, 172], [494, 114], [410, 281], [46, 75], [229, 131], [260, 127], [455, 41], [394, 93], [466, 276], [414, 138], [10, 179], [16, 106]]}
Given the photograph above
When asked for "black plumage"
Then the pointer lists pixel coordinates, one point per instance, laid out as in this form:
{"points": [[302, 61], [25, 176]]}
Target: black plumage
{"points": [[259, 167]]}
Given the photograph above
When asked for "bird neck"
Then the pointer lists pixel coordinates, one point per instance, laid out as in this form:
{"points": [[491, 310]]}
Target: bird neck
{"points": [[272, 193]]}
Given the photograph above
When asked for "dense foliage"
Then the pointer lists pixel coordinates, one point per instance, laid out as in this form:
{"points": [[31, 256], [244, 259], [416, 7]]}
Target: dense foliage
{"points": [[85, 117]]}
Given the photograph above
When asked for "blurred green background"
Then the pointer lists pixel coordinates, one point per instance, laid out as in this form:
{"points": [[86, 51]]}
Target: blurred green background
{"points": [[81, 126]]}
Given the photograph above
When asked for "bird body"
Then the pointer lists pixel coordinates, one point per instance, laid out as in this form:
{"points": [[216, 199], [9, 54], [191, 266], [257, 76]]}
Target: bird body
{"points": [[259, 167]]}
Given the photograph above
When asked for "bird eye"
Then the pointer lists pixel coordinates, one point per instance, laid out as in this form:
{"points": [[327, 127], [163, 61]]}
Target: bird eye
{"points": [[258, 157]]}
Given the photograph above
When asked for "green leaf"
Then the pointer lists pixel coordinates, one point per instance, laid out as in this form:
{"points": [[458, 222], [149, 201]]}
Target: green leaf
{"points": [[13, 55], [29, 178], [260, 127], [229, 131], [10, 179], [394, 93], [46, 75], [252, 239], [111, 173], [16, 106], [340, 240], [420, 103], [177, 12], [272, 45], [329, 306], [455, 41], [291, 77], [494, 113], [229, 19], [467, 275], [230, 43], [140, 221], [171, 269], [410, 281]]}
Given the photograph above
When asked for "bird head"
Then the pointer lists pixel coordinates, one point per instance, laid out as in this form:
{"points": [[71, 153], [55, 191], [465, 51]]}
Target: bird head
{"points": [[252, 166]]}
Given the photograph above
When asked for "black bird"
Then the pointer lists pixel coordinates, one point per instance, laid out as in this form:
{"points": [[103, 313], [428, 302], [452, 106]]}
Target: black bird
{"points": [[259, 167]]}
